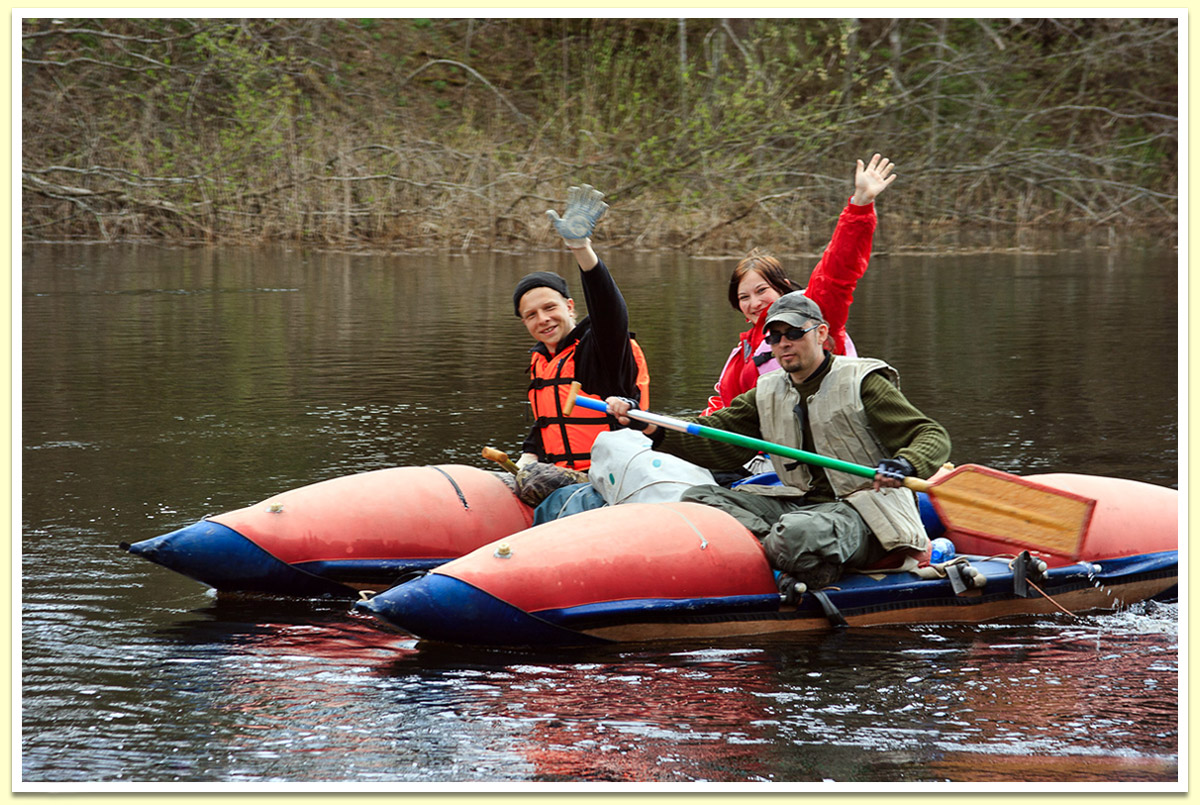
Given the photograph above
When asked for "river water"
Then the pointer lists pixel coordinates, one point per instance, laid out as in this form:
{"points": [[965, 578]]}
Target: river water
{"points": [[159, 385]]}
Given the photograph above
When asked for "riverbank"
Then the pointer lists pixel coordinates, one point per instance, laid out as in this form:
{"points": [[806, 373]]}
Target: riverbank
{"points": [[707, 135]]}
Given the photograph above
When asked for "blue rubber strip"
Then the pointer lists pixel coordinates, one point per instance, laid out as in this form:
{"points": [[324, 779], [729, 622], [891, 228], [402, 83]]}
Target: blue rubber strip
{"points": [[615, 613], [449, 610], [222, 558]]}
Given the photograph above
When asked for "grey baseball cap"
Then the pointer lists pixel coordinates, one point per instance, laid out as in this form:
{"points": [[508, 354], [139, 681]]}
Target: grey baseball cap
{"points": [[794, 309]]}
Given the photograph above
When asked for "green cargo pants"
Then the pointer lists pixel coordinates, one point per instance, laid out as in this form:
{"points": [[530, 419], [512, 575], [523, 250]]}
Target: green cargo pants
{"points": [[813, 542]]}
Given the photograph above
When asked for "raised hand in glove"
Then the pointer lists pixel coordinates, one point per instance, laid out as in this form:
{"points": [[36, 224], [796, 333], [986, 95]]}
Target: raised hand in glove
{"points": [[585, 207], [891, 472]]}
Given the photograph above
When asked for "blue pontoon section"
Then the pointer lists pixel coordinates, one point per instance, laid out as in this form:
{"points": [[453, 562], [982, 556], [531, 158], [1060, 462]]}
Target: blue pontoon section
{"points": [[934, 527], [446, 609], [220, 557], [605, 613]]}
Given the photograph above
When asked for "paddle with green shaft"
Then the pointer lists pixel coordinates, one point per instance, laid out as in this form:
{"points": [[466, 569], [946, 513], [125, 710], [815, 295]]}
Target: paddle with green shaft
{"points": [[970, 499]]}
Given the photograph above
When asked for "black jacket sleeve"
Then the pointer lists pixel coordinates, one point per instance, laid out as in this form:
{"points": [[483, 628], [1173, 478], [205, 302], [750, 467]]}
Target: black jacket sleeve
{"points": [[533, 442], [604, 363]]}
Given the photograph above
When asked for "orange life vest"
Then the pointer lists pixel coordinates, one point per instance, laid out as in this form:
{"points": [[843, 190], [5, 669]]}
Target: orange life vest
{"points": [[567, 440]]}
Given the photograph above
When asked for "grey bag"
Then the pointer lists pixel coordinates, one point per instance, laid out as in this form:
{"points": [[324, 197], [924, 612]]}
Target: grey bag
{"points": [[626, 470]]}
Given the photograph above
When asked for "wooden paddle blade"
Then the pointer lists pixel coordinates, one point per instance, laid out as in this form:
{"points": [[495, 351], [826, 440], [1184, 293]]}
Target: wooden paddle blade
{"points": [[1011, 509]]}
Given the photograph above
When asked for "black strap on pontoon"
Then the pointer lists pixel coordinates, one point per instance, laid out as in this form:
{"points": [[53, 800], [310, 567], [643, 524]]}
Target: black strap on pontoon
{"points": [[1023, 569], [457, 488], [836, 620], [959, 580]]}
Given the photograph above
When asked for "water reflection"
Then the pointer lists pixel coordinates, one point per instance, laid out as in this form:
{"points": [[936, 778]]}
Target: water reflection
{"points": [[621, 716], [274, 689]]}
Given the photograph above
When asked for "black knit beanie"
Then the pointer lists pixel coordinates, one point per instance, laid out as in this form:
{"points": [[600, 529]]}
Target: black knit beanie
{"points": [[538, 279]]}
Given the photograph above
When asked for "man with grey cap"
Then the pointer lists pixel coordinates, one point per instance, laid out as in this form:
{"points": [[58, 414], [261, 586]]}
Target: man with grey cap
{"points": [[820, 522], [598, 351]]}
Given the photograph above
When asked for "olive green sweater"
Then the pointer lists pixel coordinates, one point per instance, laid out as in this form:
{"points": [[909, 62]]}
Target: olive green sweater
{"points": [[902, 429]]}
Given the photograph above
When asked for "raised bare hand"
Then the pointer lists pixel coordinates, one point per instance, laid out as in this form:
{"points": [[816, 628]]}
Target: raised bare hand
{"points": [[872, 179]]}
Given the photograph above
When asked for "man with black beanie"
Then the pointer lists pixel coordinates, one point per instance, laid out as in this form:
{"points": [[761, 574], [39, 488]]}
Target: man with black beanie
{"points": [[598, 351]]}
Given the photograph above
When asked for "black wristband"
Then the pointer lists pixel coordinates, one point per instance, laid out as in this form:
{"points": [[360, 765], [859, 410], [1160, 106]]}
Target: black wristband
{"points": [[634, 424]]}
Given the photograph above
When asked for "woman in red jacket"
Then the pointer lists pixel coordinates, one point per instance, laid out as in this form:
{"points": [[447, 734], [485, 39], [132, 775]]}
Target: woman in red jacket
{"points": [[759, 280]]}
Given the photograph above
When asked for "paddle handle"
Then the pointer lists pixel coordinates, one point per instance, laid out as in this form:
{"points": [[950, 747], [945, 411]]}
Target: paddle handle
{"points": [[501, 458], [738, 439]]}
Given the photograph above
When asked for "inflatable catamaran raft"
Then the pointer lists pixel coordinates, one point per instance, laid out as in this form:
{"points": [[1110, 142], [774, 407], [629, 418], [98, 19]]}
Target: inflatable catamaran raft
{"points": [[455, 554]]}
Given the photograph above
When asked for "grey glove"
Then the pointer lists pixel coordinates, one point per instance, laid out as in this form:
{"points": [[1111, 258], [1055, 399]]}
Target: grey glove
{"points": [[585, 207], [895, 468]]}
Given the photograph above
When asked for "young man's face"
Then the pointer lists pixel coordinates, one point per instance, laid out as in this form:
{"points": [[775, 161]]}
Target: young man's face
{"points": [[547, 315]]}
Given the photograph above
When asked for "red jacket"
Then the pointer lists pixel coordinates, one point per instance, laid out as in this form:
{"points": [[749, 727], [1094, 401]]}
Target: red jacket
{"points": [[831, 286]]}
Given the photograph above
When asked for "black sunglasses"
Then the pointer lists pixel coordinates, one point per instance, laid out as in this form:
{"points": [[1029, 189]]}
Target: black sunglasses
{"points": [[792, 334]]}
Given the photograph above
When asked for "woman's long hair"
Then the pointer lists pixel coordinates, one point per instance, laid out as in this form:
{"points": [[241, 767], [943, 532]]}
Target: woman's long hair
{"points": [[768, 266]]}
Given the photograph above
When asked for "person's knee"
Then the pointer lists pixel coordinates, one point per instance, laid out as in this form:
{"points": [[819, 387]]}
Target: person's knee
{"points": [[814, 537], [753, 512]]}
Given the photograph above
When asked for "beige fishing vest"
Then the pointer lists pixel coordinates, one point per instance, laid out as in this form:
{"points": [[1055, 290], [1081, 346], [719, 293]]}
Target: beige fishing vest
{"points": [[839, 430]]}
